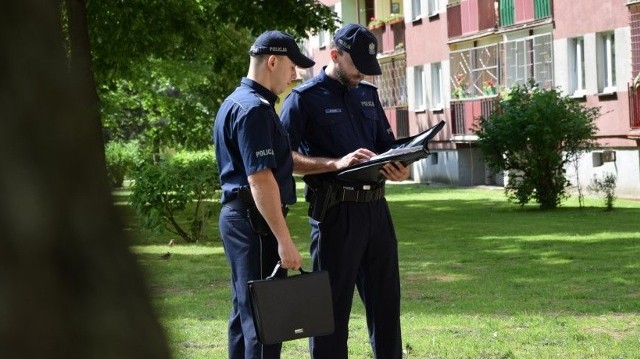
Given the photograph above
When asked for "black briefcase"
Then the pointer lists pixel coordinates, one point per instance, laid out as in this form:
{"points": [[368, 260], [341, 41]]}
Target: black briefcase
{"points": [[290, 308]]}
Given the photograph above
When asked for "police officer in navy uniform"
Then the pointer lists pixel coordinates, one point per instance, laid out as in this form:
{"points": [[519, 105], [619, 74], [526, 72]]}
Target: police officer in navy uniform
{"points": [[336, 120], [255, 166]]}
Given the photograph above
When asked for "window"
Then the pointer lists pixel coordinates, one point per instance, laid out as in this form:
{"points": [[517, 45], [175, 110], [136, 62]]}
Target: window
{"points": [[436, 86], [392, 83], [474, 72], [420, 8], [576, 66], [418, 86], [323, 38], [528, 58], [432, 7], [606, 62], [416, 9]]}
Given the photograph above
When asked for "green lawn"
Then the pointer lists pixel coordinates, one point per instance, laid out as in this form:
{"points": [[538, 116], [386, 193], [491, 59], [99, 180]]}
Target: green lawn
{"points": [[481, 278]]}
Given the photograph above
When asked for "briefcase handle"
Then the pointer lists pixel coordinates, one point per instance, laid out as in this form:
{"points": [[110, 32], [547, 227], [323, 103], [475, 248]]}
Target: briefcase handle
{"points": [[277, 268]]}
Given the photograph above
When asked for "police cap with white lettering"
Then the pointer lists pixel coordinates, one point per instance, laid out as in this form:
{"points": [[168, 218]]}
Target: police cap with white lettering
{"points": [[362, 45], [279, 43]]}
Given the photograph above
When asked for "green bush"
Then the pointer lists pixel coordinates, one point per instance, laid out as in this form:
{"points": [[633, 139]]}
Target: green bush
{"points": [[533, 134], [185, 181], [606, 186], [121, 159]]}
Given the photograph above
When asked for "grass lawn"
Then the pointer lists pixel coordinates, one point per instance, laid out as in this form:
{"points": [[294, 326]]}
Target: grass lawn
{"points": [[481, 278]]}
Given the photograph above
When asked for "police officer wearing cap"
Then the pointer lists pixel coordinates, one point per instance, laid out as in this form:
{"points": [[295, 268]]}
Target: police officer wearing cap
{"points": [[336, 120], [255, 166]]}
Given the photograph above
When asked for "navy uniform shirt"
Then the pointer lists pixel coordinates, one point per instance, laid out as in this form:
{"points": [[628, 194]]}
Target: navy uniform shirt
{"points": [[249, 138], [327, 119]]}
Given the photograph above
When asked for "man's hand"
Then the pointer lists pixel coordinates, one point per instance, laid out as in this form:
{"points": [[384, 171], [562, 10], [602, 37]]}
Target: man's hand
{"points": [[395, 171], [290, 258], [353, 158]]}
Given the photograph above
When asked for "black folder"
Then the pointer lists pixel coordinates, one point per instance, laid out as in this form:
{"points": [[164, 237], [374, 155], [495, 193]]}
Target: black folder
{"points": [[405, 150]]}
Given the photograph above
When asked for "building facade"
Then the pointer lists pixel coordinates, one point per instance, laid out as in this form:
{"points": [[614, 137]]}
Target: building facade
{"points": [[450, 60]]}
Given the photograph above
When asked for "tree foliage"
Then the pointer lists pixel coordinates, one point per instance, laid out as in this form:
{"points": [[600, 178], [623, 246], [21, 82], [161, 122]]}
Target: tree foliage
{"points": [[163, 67], [181, 182], [532, 135]]}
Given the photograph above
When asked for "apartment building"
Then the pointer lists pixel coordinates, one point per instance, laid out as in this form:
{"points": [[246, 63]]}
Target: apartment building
{"points": [[450, 60]]}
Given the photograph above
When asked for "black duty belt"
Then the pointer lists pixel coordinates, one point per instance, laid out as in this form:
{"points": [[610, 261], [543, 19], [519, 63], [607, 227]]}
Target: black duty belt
{"points": [[241, 206], [348, 194]]}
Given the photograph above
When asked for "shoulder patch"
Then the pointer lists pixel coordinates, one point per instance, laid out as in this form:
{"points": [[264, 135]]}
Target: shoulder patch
{"points": [[305, 86], [367, 83]]}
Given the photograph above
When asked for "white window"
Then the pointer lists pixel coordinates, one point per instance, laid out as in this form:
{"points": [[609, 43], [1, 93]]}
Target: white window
{"points": [[529, 58], [416, 9], [419, 95], [433, 7], [436, 86], [576, 66], [606, 62], [323, 38]]}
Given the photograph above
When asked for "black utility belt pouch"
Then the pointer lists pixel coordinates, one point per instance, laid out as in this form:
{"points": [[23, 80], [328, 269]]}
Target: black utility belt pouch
{"points": [[293, 307], [257, 221], [320, 201]]}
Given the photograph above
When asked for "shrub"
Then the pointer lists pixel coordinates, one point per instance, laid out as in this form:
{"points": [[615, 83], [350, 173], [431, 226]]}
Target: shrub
{"points": [[186, 181], [121, 158], [533, 135], [607, 186]]}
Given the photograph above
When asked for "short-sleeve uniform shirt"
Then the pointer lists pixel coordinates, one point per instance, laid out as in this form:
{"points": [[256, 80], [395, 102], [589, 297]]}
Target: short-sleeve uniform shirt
{"points": [[327, 119], [249, 138]]}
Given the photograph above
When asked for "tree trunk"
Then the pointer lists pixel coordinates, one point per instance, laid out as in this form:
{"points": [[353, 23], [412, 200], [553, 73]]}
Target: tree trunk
{"points": [[69, 287]]}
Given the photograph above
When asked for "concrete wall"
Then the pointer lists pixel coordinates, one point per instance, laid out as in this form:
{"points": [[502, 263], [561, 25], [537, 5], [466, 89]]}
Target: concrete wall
{"points": [[626, 168], [462, 167]]}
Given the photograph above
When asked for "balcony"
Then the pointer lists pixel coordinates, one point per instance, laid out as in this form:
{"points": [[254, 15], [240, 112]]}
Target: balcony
{"points": [[469, 17], [399, 120], [390, 35], [522, 11], [634, 107], [465, 114]]}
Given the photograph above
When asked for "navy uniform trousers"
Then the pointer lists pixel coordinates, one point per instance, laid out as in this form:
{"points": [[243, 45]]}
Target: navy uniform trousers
{"points": [[356, 244], [250, 257]]}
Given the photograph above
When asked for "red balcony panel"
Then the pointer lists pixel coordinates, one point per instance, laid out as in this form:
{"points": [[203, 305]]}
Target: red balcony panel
{"points": [[469, 16], [477, 15], [399, 120], [634, 107], [454, 24], [466, 113], [487, 14], [524, 11]]}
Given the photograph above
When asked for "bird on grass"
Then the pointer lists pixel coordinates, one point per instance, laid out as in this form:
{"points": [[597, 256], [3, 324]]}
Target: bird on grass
{"points": [[166, 255]]}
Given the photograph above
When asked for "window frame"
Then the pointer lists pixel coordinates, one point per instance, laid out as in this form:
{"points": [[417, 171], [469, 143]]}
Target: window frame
{"points": [[437, 98], [606, 56], [419, 94], [577, 71]]}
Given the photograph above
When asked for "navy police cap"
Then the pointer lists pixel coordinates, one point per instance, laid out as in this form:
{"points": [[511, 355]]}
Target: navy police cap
{"points": [[278, 43], [362, 45]]}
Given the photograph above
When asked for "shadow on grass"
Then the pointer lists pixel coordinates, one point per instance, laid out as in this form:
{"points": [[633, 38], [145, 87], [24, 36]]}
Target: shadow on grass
{"points": [[461, 252], [488, 256]]}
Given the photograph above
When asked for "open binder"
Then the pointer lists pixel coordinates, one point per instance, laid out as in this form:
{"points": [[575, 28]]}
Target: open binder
{"points": [[405, 150]]}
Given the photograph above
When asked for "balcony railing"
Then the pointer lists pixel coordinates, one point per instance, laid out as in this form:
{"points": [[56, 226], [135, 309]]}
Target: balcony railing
{"points": [[465, 113], [399, 120], [634, 106], [390, 35]]}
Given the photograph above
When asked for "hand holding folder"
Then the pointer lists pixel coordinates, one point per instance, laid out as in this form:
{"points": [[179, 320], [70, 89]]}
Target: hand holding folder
{"points": [[405, 150]]}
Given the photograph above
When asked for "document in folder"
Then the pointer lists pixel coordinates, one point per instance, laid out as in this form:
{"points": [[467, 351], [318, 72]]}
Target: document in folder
{"points": [[405, 150]]}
